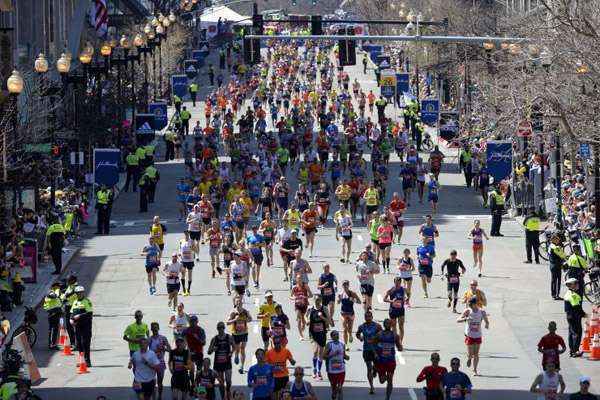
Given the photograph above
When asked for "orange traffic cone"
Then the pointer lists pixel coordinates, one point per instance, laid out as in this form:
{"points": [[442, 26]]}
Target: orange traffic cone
{"points": [[595, 322], [63, 334], [83, 369], [595, 353], [586, 339]]}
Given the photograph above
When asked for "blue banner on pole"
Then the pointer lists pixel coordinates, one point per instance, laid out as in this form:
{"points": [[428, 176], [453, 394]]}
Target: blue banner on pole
{"points": [[375, 51], [191, 68], [144, 123], [584, 151], [179, 85], [106, 166], [402, 83], [499, 159], [204, 47], [383, 61], [159, 110], [430, 111], [199, 56]]}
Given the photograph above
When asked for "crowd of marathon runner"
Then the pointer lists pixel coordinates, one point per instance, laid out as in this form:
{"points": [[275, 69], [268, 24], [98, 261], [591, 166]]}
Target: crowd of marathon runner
{"points": [[241, 211]]}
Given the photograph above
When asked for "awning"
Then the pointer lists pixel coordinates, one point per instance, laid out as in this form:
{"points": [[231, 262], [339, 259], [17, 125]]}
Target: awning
{"points": [[210, 18]]}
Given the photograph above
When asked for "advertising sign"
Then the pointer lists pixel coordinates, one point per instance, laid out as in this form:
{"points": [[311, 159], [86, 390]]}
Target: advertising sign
{"points": [[159, 110], [430, 111], [383, 61], [584, 151], [29, 265], [179, 85], [106, 166], [144, 123], [499, 159], [375, 51], [199, 56], [191, 68], [402, 83], [388, 84]]}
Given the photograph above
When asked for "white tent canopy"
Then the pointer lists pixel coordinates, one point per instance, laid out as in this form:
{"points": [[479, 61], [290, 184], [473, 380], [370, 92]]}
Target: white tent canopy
{"points": [[211, 16]]}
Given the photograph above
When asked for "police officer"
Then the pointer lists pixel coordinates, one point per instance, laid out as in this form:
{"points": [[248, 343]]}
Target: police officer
{"points": [[149, 150], [53, 305], [419, 129], [497, 209], [55, 240], [557, 257], [193, 92], [133, 170], [103, 207], [140, 152], [169, 145], [68, 297], [81, 319], [144, 185], [532, 236], [211, 74], [574, 313], [576, 267], [465, 162], [185, 116], [177, 103], [153, 177]]}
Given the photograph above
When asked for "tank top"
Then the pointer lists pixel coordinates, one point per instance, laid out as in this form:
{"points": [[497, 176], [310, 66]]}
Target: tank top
{"points": [[179, 359], [187, 253], [302, 198], [300, 296], [347, 303], [549, 386], [473, 324], [397, 298], [238, 273], [386, 349], [298, 393], [222, 349], [335, 362], [477, 235], [206, 379], [327, 290], [240, 325], [316, 323], [404, 268]]}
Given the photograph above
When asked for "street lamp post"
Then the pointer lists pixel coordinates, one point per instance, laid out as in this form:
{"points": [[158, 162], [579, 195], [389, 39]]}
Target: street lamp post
{"points": [[160, 34], [15, 85], [152, 43], [597, 187]]}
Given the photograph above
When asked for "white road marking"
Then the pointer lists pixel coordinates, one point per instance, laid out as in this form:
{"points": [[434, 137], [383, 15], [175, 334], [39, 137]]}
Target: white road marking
{"points": [[400, 358], [359, 236], [129, 223], [412, 394], [379, 298], [255, 328]]}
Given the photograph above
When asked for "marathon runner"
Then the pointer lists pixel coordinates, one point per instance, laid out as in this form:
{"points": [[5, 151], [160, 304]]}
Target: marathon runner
{"points": [[385, 362], [172, 272], [335, 356], [396, 209], [318, 323], [327, 284], [215, 239], [309, 225], [347, 298], [472, 317], [425, 255], [222, 346], [152, 254], [238, 322], [186, 255], [396, 297], [366, 333], [343, 227], [454, 267], [432, 375], [256, 241], [300, 294], [477, 234], [267, 230]]}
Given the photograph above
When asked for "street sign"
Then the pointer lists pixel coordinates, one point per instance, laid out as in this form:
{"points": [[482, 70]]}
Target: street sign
{"points": [[199, 56], [179, 85], [585, 151], [524, 129], [387, 83], [38, 148]]}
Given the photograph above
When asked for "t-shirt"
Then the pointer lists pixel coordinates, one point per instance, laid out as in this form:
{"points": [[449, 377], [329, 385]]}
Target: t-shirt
{"points": [[143, 372], [173, 270], [278, 360], [195, 336], [456, 384], [579, 396], [550, 344], [262, 375], [292, 244], [136, 331], [152, 252], [267, 310], [433, 376], [365, 272]]}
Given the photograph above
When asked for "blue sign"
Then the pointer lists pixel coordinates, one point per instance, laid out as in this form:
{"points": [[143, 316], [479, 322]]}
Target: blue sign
{"points": [[388, 91], [106, 166], [499, 159], [159, 110], [383, 61], [204, 48], [584, 151], [430, 111], [179, 85], [191, 68], [375, 51], [402, 83], [144, 123], [199, 56]]}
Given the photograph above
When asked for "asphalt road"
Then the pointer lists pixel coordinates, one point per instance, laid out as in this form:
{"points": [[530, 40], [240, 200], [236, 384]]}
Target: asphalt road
{"points": [[519, 302]]}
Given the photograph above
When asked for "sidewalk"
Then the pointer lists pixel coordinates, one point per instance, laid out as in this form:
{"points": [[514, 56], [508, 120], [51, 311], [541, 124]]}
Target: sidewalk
{"points": [[33, 295]]}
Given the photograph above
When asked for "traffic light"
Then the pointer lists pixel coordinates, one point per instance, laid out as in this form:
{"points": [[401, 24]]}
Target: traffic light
{"points": [[56, 151], [251, 51], [257, 24], [346, 48], [316, 25]]}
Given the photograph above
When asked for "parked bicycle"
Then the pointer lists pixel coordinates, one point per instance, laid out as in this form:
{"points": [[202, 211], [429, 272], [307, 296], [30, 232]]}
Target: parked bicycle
{"points": [[27, 327]]}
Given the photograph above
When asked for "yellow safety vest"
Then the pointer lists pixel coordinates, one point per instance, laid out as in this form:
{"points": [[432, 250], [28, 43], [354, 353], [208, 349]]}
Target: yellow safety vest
{"points": [[132, 159], [102, 196], [371, 197], [185, 115], [151, 172], [140, 152], [193, 88], [532, 224], [499, 199], [149, 149]]}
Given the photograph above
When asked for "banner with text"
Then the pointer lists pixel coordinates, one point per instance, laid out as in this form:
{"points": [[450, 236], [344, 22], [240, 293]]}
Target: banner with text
{"points": [[430, 111], [179, 85], [499, 159], [106, 166], [402, 83], [159, 110], [387, 83]]}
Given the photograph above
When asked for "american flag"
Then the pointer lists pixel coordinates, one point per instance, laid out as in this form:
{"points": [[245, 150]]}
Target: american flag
{"points": [[99, 17]]}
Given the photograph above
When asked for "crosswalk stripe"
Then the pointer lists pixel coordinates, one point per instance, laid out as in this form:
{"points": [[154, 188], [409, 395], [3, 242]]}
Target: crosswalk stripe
{"points": [[400, 358], [359, 236], [412, 394], [379, 298], [129, 223]]}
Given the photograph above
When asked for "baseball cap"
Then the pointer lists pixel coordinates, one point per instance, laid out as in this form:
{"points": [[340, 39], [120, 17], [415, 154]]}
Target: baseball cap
{"points": [[570, 280], [268, 293], [79, 289], [585, 379]]}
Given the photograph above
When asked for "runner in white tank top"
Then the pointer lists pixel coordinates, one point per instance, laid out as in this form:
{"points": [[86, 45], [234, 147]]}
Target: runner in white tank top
{"points": [[549, 385]]}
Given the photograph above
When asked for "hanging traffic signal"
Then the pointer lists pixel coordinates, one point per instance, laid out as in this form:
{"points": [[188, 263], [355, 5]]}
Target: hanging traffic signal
{"points": [[346, 48], [257, 24], [294, 3], [251, 51], [316, 25]]}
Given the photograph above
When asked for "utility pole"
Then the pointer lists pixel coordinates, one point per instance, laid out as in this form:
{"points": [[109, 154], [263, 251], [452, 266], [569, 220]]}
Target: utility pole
{"points": [[597, 186], [558, 181]]}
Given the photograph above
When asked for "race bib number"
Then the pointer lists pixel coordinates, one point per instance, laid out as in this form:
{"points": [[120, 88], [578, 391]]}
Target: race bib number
{"points": [[474, 326], [240, 326], [327, 291], [398, 303], [456, 393], [424, 261], [453, 279], [221, 358], [318, 327], [260, 380]]}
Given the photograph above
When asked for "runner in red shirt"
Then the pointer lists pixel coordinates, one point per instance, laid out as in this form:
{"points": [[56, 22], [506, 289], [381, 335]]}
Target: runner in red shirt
{"points": [[432, 375], [551, 346], [397, 208]]}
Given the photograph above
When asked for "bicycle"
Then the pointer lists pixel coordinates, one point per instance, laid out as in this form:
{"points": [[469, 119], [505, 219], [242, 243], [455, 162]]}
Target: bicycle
{"points": [[591, 289], [427, 143], [26, 327]]}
